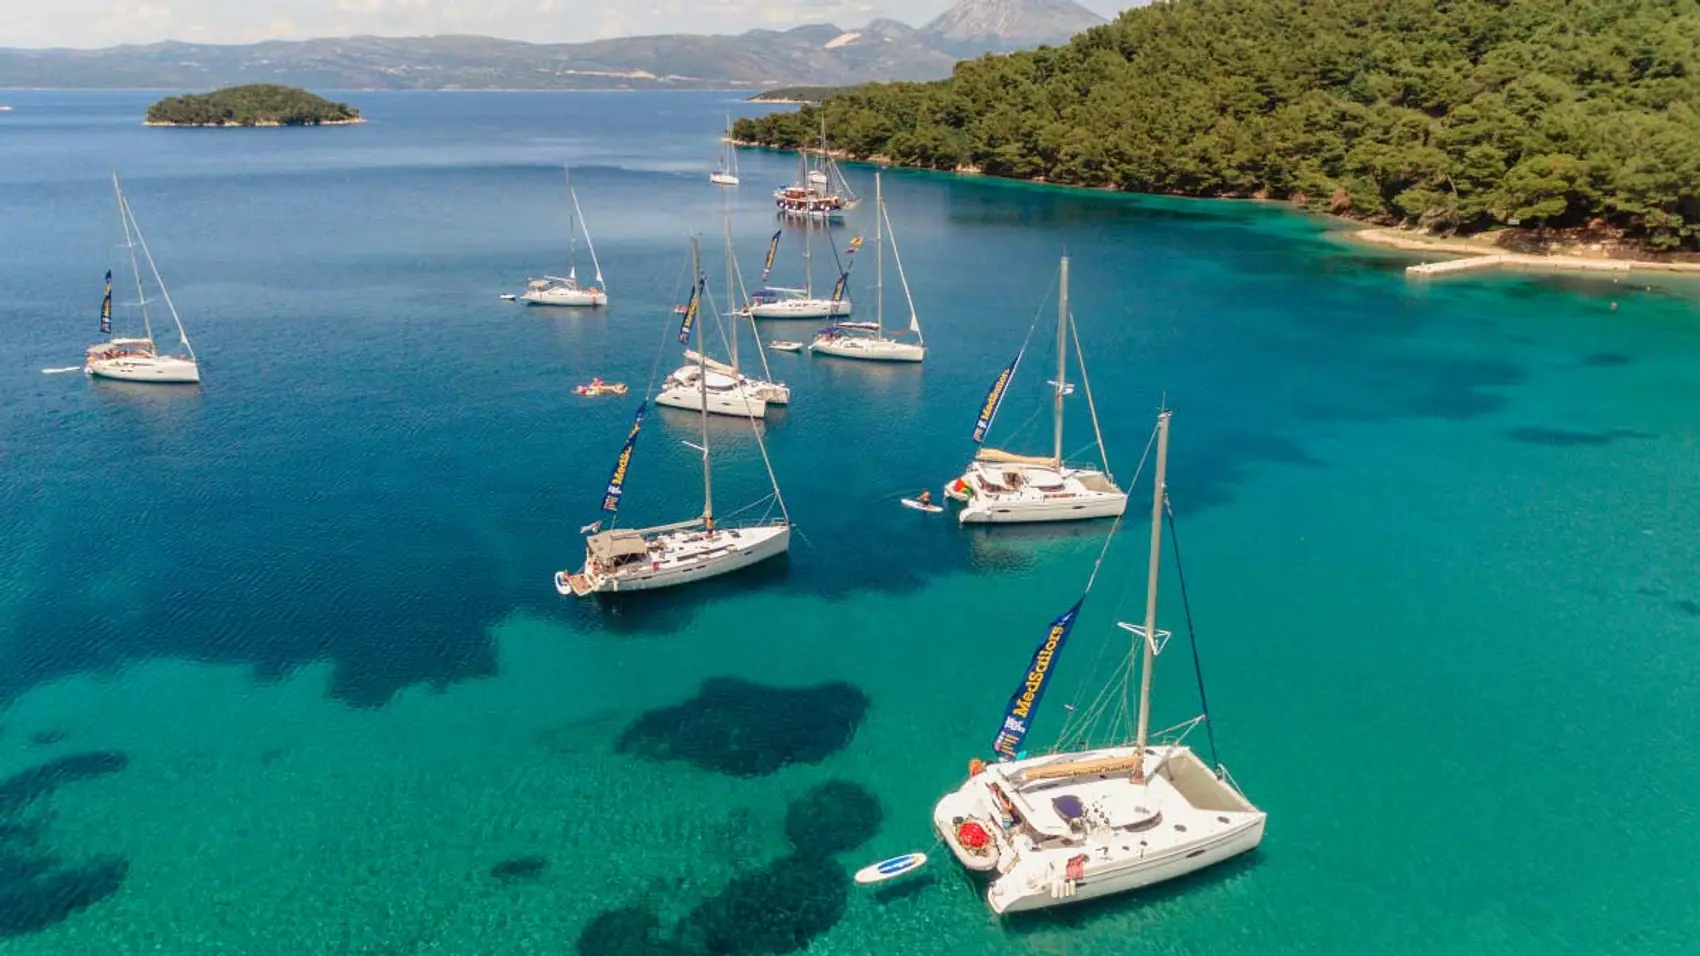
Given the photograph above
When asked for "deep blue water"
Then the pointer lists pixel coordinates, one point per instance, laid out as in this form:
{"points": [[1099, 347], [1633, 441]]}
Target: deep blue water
{"points": [[1438, 536]]}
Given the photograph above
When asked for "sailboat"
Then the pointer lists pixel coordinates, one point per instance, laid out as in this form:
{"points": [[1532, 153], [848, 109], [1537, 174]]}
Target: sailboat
{"points": [[138, 359], [874, 345], [709, 386], [567, 290], [642, 559], [770, 392], [726, 174], [820, 194], [1070, 826], [1001, 487], [781, 302]]}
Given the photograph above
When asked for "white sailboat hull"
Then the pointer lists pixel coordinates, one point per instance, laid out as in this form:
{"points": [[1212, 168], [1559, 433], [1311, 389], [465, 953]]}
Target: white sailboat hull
{"points": [[739, 401], [683, 557], [1015, 493], [723, 179], [582, 298], [868, 348], [801, 309], [1181, 820], [160, 369]]}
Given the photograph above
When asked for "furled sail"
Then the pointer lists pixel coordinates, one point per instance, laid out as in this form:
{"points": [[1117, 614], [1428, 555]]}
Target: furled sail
{"points": [[1018, 717]]}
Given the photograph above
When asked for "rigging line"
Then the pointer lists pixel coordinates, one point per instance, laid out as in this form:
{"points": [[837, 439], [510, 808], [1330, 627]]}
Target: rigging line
{"points": [[1192, 637], [1086, 384], [666, 330]]}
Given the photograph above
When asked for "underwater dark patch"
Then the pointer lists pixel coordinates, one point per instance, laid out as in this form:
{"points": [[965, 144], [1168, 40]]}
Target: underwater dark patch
{"points": [[1567, 438], [29, 785], [47, 738], [743, 729], [833, 817], [1605, 360], [779, 908], [1688, 607], [519, 868], [34, 904], [627, 931]]}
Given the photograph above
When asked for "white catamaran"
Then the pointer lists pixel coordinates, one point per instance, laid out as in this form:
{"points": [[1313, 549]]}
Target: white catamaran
{"points": [[873, 344], [1069, 826], [138, 359], [567, 290], [779, 302], [726, 174], [1001, 487], [642, 559]]}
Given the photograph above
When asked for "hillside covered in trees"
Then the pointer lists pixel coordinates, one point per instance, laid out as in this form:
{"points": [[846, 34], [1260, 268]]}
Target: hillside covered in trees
{"points": [[1455, 115], [261, 104]]}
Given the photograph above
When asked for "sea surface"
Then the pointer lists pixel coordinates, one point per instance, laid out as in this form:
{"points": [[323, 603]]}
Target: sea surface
{"points": [[282, 670]]}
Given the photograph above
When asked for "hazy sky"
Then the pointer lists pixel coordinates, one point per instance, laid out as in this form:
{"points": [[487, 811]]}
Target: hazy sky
{"points": [[94, 23]]}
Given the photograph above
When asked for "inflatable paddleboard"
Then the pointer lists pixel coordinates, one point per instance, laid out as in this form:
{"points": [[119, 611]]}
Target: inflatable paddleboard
{"points": [[61, 371], [918, 506], [888, 869]]}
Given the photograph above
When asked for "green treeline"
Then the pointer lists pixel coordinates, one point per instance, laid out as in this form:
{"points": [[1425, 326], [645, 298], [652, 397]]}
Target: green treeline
{"points": [[258, 104], [1455, 115]]}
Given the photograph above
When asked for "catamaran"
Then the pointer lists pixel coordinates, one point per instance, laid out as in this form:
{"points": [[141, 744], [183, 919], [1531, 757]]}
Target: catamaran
{"points": [[567, 290], [726, 174], [1001, 487], [780, 302], [138, 359], [874, 345], [682, 382], [1069, 826], [642, 559]]}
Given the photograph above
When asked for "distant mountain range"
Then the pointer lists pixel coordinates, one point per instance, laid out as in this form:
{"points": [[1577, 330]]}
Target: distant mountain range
{"points": [[817, 54]]}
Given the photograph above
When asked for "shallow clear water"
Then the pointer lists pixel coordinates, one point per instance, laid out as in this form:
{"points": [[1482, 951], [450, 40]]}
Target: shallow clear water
{"points": [[1438, 539]]}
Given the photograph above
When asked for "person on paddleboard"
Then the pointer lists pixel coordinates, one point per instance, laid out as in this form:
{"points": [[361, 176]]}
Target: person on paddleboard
{"points": [[925, 497]]}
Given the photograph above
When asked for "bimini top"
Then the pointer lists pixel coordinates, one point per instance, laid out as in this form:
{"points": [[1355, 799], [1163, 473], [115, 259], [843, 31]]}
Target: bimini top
{"points": [[610, 545]]}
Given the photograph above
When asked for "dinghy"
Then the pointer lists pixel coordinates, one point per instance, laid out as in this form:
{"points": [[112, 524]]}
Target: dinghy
{"points": [[785, 346]]}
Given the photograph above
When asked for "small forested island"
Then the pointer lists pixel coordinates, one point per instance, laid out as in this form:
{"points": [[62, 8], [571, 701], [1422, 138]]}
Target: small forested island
{"points": [[259, 104], [795, 94], [1564, 120]]}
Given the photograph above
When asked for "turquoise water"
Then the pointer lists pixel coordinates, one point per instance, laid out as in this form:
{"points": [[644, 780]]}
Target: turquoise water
{"points": [[283, 671]]}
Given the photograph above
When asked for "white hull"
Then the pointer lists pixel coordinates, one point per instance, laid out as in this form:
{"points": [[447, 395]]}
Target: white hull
{"points": [[581, 298], [735, 401], [163, 370], [684, 557], [1181, 820], [801, 309], [868, 348], [723, 179], [1015, 493]]}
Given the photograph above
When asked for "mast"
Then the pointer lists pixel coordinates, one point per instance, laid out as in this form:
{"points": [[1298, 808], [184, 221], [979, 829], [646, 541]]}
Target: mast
{"points": [[702, 386], [572, 228], [1159, 494], [726, 213], [879, 259], [808, 258], [1062, 362], [130, 247]]}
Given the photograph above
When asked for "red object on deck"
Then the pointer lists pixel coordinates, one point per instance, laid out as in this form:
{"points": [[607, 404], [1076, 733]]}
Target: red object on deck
{"points": [[972, 835]]}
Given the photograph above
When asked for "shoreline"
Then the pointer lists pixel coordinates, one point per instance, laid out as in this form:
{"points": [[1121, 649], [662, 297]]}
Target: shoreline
{"points": [[269, 123], [1476, 252]]}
